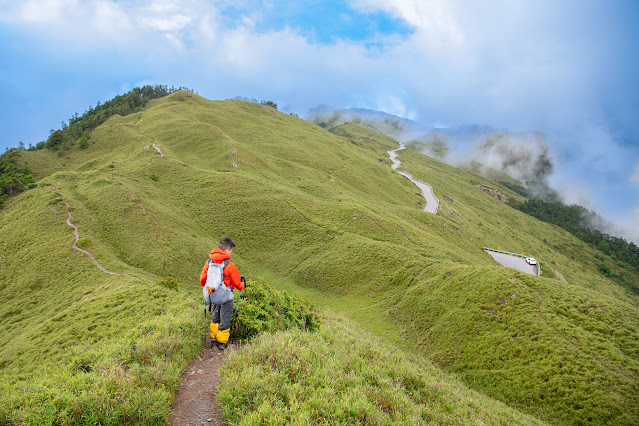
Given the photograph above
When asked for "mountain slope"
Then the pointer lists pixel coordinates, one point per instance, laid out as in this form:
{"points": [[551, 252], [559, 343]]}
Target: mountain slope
{"points": [[318, 214]]}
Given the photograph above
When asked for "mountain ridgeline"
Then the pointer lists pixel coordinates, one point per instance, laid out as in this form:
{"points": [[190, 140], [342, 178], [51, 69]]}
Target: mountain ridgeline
{"points": [[438, 331]]}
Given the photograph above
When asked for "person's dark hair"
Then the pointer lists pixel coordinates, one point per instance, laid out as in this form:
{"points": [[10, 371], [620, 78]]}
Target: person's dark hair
{"points": [[226, 243]]}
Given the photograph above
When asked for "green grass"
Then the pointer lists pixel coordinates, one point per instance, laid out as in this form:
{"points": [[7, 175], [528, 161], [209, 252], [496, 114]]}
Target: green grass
{"points": [[319, 215], [343, 375], [91, 365]]}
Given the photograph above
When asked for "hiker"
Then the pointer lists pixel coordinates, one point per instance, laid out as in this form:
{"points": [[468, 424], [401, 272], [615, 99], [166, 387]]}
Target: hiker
{"points": [[220, 271]]}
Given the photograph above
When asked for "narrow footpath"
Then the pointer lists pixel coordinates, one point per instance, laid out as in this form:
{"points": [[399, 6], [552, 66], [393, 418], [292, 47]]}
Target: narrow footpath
{"points": [[196, 401], [76, 232], [432, 203]]}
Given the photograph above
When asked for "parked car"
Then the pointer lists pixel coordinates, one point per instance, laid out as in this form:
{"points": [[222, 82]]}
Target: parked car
{"points": [[531, 261]]}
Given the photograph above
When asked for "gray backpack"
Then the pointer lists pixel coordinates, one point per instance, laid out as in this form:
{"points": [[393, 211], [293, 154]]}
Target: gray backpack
{"points": [[215, 281]]}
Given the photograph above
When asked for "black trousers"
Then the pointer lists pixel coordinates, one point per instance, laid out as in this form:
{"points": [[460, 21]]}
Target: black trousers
{"points": [[221, 314]]}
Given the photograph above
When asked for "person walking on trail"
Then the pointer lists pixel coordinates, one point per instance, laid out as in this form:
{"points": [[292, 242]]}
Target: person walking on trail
{"points": [[220, 276]]}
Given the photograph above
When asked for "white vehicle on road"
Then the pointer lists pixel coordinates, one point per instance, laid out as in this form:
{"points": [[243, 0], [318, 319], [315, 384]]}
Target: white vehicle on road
{"points": [[531, 261]]}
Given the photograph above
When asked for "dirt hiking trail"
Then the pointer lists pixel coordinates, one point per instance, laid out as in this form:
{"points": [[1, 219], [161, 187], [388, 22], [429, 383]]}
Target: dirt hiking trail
{"points": [[196, 399]]}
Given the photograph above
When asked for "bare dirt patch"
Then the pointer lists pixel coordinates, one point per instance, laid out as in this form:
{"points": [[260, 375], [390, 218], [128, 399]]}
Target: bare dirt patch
{"points": [[495, 193], [196, 400], [157, 148]]}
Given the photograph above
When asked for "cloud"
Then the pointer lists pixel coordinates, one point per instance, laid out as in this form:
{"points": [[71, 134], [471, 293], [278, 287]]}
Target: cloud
{"points": [[435, 21], [635, 177], [634, 230], [109, 24]]}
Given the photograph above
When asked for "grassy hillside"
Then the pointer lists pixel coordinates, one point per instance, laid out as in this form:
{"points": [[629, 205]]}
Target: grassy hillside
{"points": [[345, 376], [316, 213], [574, 343]]}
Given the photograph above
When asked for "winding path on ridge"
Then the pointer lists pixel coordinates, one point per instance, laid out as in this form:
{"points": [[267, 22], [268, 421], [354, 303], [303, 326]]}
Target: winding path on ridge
{"points": [[88, 253], [432, 203]]}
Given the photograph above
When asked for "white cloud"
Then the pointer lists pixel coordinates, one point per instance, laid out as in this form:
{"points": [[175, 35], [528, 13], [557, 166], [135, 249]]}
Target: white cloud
{"points": [[628, 228], [516, 65], [434, 21], [393, 105], [111, 24], [34, 11], [163, 24]]}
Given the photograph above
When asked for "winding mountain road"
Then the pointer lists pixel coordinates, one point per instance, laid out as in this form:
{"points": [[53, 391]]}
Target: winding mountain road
{"points": [[514, 262], [432, 203]]}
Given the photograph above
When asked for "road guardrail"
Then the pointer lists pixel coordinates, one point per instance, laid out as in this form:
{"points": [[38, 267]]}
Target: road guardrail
{"points": [[514, 254], [506, 252]]}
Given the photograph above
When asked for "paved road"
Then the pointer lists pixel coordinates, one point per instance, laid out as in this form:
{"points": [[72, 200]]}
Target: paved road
{"points": [[432, 203], [515, 262]]}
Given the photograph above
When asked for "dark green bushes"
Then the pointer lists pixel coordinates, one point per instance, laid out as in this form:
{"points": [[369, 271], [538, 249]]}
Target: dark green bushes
{"points": [[15, 177], [576, 220], [76, 132], [169, 282], [262, 308]]}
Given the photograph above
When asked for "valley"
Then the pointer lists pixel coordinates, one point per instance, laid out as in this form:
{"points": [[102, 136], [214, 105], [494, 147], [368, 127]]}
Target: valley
{"points": [[447, 334]]}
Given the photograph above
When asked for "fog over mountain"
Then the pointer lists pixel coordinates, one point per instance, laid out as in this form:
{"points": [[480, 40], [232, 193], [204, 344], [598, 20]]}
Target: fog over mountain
{"points": [[525, 156], [566, 69]]}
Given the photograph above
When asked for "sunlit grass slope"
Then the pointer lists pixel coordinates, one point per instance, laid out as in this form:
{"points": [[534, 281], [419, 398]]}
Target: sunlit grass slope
{"points": [[76, 342], [319, 214], [343, 375]]}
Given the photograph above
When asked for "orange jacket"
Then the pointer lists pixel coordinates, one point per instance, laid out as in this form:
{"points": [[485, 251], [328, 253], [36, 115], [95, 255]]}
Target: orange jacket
{"points": [[231, 274]]}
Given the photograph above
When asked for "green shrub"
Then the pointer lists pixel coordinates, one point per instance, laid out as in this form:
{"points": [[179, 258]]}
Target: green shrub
{"points": [[262, 308], [546, 271], [605, 269], [83, 243], [169, 282]]}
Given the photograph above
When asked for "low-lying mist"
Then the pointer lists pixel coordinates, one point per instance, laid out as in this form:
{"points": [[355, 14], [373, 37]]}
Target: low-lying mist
{"points": [[525, 157]]}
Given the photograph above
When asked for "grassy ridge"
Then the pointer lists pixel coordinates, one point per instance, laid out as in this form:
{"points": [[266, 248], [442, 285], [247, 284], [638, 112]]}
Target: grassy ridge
{"points": [[563, 347], [345, 376], [323, 216]]}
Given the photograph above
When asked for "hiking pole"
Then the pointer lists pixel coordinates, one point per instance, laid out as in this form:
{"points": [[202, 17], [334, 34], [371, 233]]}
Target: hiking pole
{"points": [[237, 309], [205, 305]]}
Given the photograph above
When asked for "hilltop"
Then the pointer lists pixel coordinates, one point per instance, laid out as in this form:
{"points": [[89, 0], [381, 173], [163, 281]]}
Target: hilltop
{"points": [[321, 215]]}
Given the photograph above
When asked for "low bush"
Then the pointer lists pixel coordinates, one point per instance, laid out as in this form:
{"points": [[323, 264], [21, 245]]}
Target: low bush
{"points": [[83, 243], [169, 282], [262, 308]]}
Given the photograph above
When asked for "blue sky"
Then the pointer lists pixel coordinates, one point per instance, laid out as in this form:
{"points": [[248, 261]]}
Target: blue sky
{"points": [[566, 68], [319, 21]]}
